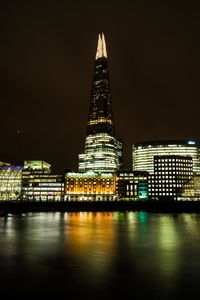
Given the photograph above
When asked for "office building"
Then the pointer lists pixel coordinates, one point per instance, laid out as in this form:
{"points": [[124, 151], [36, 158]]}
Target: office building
{"points": [[191, 190], [143, 153], [171, 174], [103, 151], [10, 182], [39, 184]]}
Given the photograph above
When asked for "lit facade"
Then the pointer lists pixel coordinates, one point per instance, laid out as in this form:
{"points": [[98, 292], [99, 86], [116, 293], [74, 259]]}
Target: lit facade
{"points": [[132, 185], [143, 153], [171, 174], [10, 182], [35, 165], [90, 186], [39, 184], [4, 164], [191, 190], [103, 152]]}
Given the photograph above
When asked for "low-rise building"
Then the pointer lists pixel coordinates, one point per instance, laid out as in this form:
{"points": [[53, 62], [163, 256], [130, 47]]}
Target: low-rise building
{"points": [[10, 182], [90, 186], [132, 185], [39, 184]]}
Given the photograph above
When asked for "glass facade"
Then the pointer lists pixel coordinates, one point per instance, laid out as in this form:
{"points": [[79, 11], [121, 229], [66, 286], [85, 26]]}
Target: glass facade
{"points": [[10, 182], [191, 190], [103, 152], [100, 117], [37, 165], [143, 153], [39, 184]]}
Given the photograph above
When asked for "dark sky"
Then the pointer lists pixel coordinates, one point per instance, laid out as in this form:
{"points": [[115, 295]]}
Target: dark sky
{"points": [[47, 52]]}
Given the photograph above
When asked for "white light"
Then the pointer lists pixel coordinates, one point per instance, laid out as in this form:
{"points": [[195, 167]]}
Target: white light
{"points": [[101, 47]]}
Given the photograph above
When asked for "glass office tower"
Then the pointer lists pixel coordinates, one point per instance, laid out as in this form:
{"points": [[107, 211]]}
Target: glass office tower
{"points": [[103, 151]]}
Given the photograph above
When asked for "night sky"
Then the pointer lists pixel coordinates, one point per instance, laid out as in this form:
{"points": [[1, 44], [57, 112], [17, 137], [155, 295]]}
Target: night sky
{"points": [[47, 52]]}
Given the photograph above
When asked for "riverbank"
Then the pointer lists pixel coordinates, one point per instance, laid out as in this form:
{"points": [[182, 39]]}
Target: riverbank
{"points": [[149, 206]]}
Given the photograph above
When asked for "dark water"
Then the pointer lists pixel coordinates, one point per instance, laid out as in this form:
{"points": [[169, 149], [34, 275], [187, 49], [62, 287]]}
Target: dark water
{"points": [[100, 255]]}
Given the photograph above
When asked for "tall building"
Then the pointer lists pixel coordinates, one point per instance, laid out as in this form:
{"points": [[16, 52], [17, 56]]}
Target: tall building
{"points": [[143, 153], [103, 152]]}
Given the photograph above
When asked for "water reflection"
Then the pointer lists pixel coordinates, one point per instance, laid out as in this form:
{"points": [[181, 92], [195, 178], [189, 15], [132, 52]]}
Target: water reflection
{"points": [[101, 254], [90, 235]]}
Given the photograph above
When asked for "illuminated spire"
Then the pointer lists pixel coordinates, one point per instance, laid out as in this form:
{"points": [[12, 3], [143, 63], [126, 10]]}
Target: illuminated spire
{"points": [[101, 47], [103, 152]]}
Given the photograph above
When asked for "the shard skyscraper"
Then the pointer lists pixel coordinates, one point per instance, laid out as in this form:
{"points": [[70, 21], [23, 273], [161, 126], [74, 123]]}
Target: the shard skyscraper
{"points": [[103, 152]]}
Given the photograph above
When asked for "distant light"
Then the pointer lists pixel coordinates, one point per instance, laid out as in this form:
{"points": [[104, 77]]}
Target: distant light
{"points": [[191, 142]]}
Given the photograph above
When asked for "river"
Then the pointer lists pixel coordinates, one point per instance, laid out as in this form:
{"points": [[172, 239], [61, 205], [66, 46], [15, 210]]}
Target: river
{"points": [[88, 255]]}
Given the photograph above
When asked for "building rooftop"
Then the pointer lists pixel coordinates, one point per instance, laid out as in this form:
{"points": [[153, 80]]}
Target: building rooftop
{"points": [[188, 142]]}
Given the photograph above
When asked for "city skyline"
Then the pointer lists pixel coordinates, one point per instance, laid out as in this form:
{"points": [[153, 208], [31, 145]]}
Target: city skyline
{"points": [[47, 61]]}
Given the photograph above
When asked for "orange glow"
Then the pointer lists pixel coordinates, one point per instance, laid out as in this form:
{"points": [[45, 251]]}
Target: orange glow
{"points": [[90, 186]]}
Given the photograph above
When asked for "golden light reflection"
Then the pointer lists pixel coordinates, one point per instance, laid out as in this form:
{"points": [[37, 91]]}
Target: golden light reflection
{"points": [[91, 235]]}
